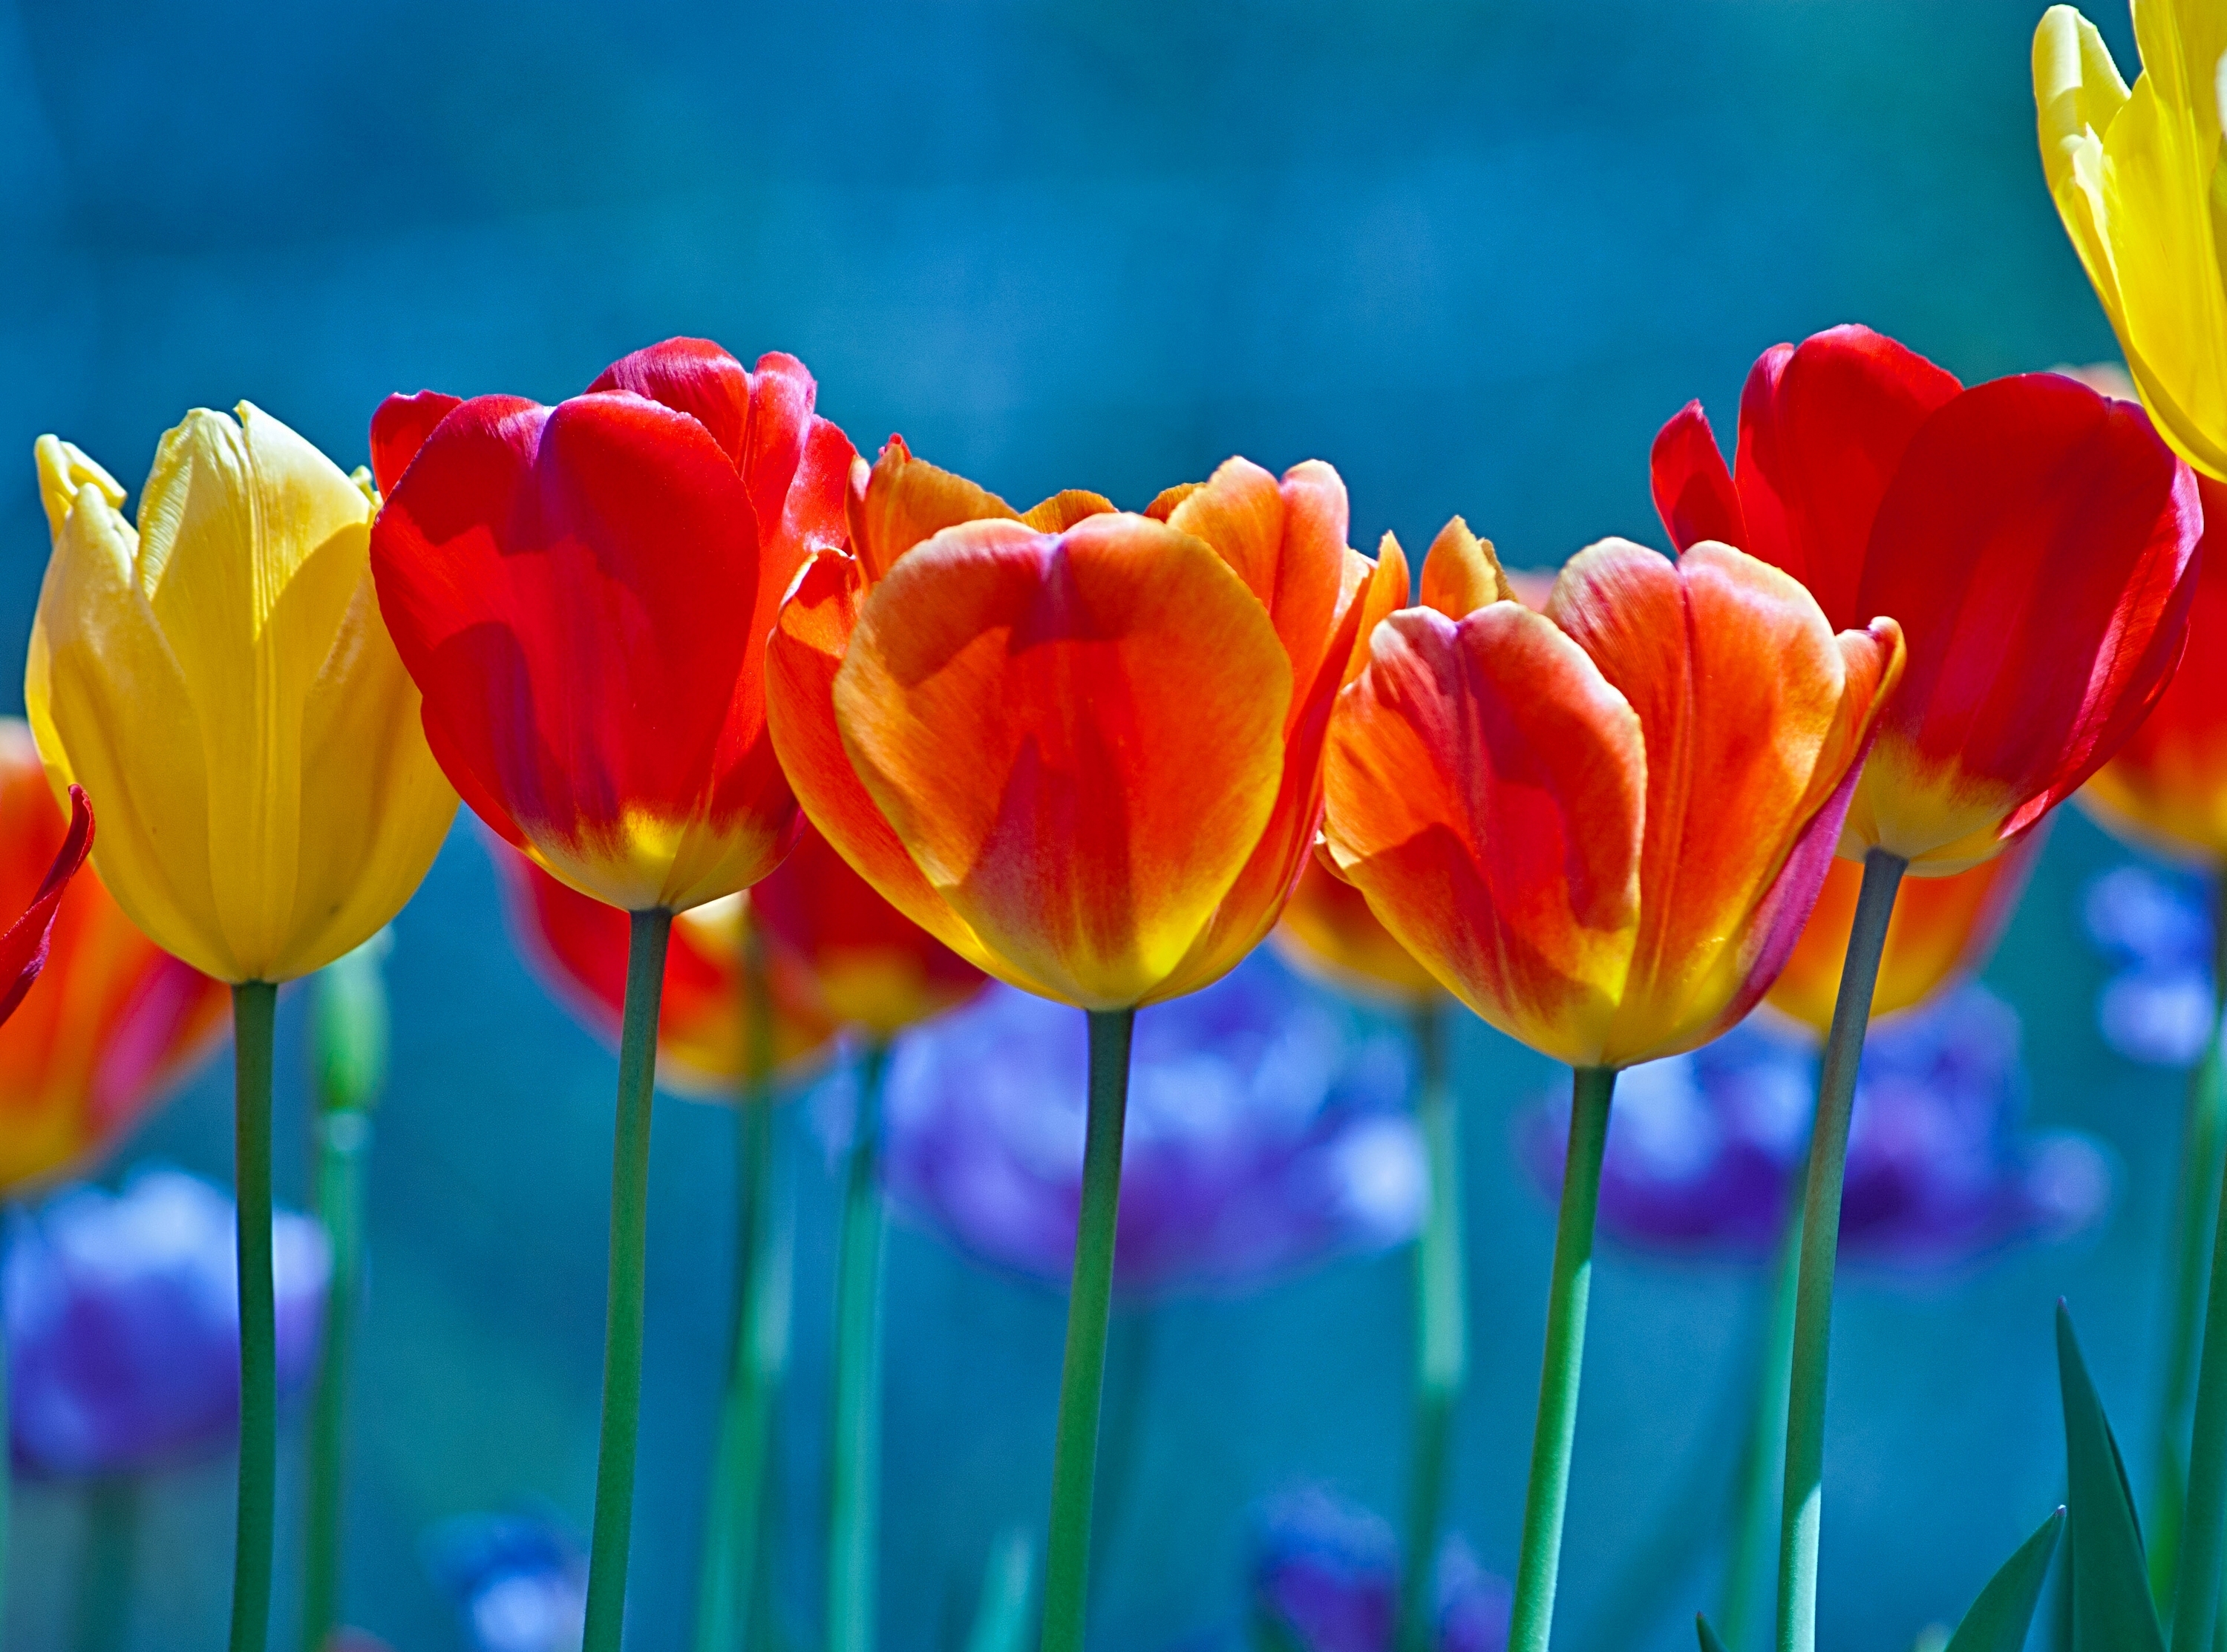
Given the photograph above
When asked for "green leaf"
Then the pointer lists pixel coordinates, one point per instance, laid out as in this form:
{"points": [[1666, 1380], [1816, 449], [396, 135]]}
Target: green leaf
{"points": [[2111, 1609], [1709, 1641], [2001, 1616]]}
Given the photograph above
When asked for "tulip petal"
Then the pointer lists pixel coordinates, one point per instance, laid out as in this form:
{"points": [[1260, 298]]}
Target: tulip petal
{"points": [[1753, 713], [905, 500], [399, 428], [1485, 785], [1064, 509], [2038, 545], [806, 649], [1077, 738], [692, 376], [1694, 491], [24, 945], [1381, 592], [1822, 427], [63, 469], [1461, 573]]}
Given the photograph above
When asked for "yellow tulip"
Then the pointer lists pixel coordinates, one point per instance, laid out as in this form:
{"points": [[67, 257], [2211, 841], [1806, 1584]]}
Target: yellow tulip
{"points": [[221, 680], [2138, 179]]}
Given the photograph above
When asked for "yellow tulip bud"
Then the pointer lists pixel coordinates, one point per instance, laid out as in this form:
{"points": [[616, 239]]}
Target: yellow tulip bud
{"points": [[2140, 179], [221, 682]]}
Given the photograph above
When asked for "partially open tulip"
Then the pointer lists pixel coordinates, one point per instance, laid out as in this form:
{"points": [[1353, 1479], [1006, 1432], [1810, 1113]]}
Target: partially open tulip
{"points": [[873, 968], [1942, 930], [221, 681], [2035, 540], [636, 539], [1080, 747], [579, 947], [116, 1021], [1329, 931], [1602, 826], [2133, 175], [2167, 786]]}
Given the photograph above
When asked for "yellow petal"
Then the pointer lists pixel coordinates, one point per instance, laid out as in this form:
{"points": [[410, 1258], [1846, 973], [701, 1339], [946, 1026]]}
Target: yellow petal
{"points": [[64, 469]]}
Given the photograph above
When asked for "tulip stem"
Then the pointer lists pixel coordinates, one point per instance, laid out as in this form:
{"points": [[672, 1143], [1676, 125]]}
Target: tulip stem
{"points": [[2203, 1524], [1540, 1561], [1441, 1324], [760, 1351], [254, 1009], [2203, 1136], [1747, 1551], [107, 1558], [1801, 1504], [854, 1497], [1082, 1372], [606, 1553]]}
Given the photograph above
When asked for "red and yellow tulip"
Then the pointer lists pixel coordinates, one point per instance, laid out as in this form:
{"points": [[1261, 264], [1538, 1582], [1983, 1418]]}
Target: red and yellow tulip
{"points": [[1601, 827], [1329, 931], [2035, 540], [636, 539], [1082, 748]]}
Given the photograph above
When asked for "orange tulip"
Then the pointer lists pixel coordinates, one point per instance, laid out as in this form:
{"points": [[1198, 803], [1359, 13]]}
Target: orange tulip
{"points": [[1328, 932], [579, 947], [1082, 748], [1943, 929], [873, 968], [1601, 827], [115, 1022]]}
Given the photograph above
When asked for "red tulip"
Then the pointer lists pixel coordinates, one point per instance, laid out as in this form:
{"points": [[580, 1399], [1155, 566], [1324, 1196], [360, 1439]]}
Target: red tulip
{"points": [[582, 593], [2036, 541], [873, 968], [579, 947]]}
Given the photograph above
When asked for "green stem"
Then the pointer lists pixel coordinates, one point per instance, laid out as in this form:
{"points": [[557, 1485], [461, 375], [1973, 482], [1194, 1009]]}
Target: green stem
{"points": [[254, 1008], [1540, 1559], [343, 1146], [759, 1349], [1802, 1507], [1130, 1334], [647, 933], [2204, 1520], [1082, 1371], [103, 1610], [2203, 1136], [1747, 1552], [1441, 1326], [854, 1499]]}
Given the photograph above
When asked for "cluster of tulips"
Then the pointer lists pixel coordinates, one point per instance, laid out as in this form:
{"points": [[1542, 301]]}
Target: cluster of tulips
{"points": [[674, 639]]}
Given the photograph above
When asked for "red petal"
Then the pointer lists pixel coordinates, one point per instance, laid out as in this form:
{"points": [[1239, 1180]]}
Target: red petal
{"points": [[399, 428], [23, 947], [692, 376], [1822, 428], [1694, 491]]}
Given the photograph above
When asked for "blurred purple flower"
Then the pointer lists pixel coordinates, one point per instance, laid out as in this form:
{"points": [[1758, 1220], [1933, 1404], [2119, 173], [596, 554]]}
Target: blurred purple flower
{"points": [[1263, 1133], [2154, 928], [1703, 1149], [123, 1316], [1325, 1577], [518, 1580]]}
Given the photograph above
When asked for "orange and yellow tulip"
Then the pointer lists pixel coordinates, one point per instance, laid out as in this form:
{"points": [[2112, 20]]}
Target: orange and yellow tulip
{"points": [[1942, 930], [1328, 932], [1602, 826], [1080, 747], [115, 1022]]}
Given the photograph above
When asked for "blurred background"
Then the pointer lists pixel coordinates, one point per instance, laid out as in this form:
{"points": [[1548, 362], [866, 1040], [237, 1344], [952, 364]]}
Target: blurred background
{"points": [[1473, 255]]}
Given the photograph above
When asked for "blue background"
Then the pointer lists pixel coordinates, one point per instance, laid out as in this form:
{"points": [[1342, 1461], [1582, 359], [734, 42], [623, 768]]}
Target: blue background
{"points": [[1473, 255]]}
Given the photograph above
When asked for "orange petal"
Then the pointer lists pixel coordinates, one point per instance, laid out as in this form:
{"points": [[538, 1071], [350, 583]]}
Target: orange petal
{"points": [[1286, 539], [1461, 574], [1077, 737], [806, 649], [1754, 713], [1943, 929], [1329, 931], [905, 500], [1485, 785], [1383, 591], [1063, 510]]}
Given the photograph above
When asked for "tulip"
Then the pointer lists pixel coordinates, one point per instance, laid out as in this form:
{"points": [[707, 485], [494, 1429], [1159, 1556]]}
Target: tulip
{"points": [[1082, 749], [2133, 175], [119, 1022], [222, 679], [637, 537], [2037, 541], [1943, 929], [1328, 932], [1600, 826], [1325, 1577]]}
